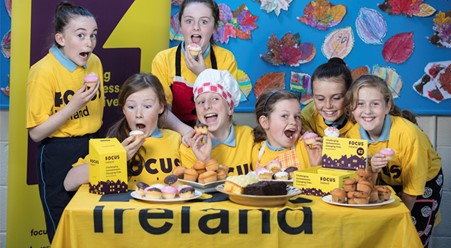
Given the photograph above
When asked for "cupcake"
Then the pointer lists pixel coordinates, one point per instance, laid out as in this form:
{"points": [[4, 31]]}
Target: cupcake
{"points": [[383, 193], [179, 171], [365, 175], [388, 153], [171, 180], [274, 166], [194, 50], [153, 192], [349, 184], [136, 133], [168, 192], [208, 177], [140, 186], [309, 138], [211, 165], [281, 175], [91, 79], [201, 128], [364, 186], [186, 191], [190, 174], [338, 195], [332, 132], [290, 170]]}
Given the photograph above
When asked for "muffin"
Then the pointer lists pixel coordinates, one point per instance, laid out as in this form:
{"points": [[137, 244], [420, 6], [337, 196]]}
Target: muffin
{"points": [[364, 186], [199, 166], [383, 192], [190, 174], [349, 184], [208, 177], [179, 171], [211, 165], [201, 128], [222, 173], [338, 195], [365, 175], [374, 196]]}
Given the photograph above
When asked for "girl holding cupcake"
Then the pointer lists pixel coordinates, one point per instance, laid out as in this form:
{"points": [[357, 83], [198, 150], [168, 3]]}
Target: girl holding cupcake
{"points": [[278, 134], [330, 81], [153, 152], [62, 111], [178, 67], [401, 153], [216, 94]]}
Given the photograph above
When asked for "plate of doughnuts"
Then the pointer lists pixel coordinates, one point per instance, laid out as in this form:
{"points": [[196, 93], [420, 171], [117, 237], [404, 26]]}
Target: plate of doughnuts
{"points": [[328, 199]]}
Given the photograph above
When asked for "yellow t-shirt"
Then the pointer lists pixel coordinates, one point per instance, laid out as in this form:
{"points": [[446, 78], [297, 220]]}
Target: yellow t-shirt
{"points": [[163, 67], [415, 161], [50, 87], [313, 121], [162, 155], [238, 158]]}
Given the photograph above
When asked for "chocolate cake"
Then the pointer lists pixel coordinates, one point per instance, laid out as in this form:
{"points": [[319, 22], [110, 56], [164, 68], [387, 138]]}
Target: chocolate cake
{"points": [[266, 188]]}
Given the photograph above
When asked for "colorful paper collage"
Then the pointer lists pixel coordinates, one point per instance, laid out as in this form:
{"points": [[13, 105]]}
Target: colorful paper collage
{"points": [[407, 7], [371, 26], [274, 5], [269, 81], [245, 84], [322, 15], [288, 50], [338, 43], [237, 24], [301, 83], [442, 30], [391, 77], [435, 84]]}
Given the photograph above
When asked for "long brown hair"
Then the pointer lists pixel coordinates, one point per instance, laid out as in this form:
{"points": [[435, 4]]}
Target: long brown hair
{"points": [[372, 81], [265, 106], [135, 83]]}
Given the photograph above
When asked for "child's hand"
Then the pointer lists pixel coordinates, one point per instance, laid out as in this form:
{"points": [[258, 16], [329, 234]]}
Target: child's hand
{"points": [[132, 144], [196, 66], [314, 151], [84, 95], [201, 147], [186, 138], [378, 161]]}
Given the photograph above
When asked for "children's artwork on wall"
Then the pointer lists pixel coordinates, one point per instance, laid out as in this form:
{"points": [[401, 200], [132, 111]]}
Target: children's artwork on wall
{"points": [[274, 5], [245, 84], [5, 34], [435, 84], [442, 30], [322, 14], [398, 48], [237, 24], [269, 81], [338, 43], [288, 50], [359, 71], [371, 26], [301, 83], [392, 78], [407, 7]]}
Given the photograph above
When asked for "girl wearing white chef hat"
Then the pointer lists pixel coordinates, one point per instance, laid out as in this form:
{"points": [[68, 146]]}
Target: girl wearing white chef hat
{"points": [[216, 94]]}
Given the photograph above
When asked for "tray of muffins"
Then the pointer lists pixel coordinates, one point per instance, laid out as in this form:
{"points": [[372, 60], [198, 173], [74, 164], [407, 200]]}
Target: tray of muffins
{"points": [[251, 191], [360, 192], [204, 176], [169, 192]]}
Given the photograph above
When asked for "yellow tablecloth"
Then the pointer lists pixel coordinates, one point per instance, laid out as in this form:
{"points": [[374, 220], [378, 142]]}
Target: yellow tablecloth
{"points": [[120, 221]]}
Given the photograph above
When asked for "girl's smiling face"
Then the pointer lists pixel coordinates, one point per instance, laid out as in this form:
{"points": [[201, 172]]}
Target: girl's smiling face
{"points": [[78, 39], [370, 111], [283, 125], [329, 97], [214, 111], [197, 24], [142, 109]]}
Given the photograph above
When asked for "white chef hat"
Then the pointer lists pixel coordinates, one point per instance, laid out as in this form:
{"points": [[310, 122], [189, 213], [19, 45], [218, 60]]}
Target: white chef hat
{"points": [[220, 82]]}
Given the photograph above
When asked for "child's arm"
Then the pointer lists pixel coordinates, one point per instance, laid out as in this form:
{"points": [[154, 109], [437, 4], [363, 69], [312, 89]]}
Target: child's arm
{"points": [[79, 99], [76, 176], [177, 125], [409, 200]]}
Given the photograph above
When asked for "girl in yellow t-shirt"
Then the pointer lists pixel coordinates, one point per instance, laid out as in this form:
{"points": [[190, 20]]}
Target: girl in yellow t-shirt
{"points": [[151, 156], [415, 170]]}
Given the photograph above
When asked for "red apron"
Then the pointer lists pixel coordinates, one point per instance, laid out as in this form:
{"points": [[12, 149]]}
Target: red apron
{"points": [[183, 98]]}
